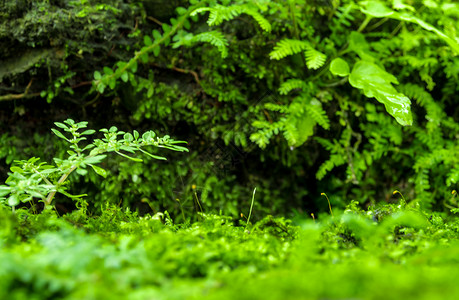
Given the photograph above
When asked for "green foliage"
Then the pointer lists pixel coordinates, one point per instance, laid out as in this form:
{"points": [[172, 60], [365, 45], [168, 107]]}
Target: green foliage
{"points": [[253, 86], [30, 179], [356, 253]]}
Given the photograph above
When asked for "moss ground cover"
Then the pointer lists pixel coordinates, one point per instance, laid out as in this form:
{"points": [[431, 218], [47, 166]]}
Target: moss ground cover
{"points": [[385, 252]]}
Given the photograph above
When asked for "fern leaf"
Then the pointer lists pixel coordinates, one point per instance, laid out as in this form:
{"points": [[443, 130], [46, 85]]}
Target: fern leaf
{"points": [[315, 110], [314, 58], [264, 24], [288, 47], [220, 13], [290, 85], [334, 161], [215, 38]]}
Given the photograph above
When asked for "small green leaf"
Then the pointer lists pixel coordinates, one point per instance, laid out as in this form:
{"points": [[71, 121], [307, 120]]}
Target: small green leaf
{"points": [[144, 58], [150, 91], [156, 34], [99, 171], [94, 159], [156, 51], [112, 83], [101, 88], [59, 134], [134, 66], [5, 190], [16, 169], [97, 75], [13, 200], [88, 132], [128, 137], [125, 76], [166, 27], [129, 157], [61, 125], [147, 40], [375, 9], [108, 71], [339, 67]]}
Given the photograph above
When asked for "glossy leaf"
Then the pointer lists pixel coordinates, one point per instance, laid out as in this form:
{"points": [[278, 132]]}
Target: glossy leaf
{"points": [[377, 83], [339, 67]]}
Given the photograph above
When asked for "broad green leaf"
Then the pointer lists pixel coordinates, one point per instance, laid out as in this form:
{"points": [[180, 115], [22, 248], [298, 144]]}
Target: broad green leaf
{"points": [[359, 45], [125, 76], [379, 10], [339, 67], [377, 83], [376, 9], [99, 170]]}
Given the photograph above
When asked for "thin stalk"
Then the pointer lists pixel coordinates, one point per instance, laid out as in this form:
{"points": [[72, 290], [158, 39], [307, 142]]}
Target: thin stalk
{"points": [[61, 181], [251, 206], [329, 205]]}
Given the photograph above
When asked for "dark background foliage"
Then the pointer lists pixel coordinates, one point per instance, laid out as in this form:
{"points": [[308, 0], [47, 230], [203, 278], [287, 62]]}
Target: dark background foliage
{"points": [[50, 51]]}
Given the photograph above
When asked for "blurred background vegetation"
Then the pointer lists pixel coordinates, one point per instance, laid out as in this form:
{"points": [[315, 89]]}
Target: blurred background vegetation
{"points": [[215, 83]]}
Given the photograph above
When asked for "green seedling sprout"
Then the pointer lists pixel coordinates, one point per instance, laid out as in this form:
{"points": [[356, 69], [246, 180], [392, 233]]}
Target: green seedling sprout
{"points": [[251, 207], [31, 179], [329, 205], [397, 192], [181, 208]]}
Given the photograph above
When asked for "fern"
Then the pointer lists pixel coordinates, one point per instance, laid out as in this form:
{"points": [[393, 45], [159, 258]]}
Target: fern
{"points": [[219, 13], [290, 85], [315, 110], [314, 58], [262, 22], [288, 47], [215, 38]]}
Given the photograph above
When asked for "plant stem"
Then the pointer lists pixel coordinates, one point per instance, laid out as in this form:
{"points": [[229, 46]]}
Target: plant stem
{"points": [[61, 181], [251, 206]]}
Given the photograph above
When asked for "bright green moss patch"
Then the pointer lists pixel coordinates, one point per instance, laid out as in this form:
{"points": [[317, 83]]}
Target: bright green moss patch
{"points": [[406, 255]]}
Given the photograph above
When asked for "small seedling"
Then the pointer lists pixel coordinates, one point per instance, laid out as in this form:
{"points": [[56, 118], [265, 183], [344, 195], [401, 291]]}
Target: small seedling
{"points": [[251, 207], [329, 205], [31, 179], [403, 203]]}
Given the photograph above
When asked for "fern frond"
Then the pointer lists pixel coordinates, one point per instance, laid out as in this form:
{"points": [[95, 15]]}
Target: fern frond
{"points": [[220, 13], [264, 24], [276, 107], [334, 161], [215, 38], [344, 16], [315, 110], [287, 47], [290, 85], [314, 58]]}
